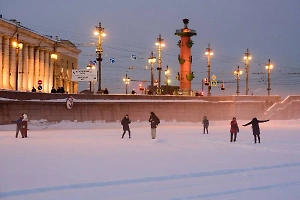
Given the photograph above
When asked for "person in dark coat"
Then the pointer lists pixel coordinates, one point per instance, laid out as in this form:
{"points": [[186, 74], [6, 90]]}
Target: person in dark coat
{"points": [[255, 127], [125, 122], [58, 90], [53, 90], [105, 91], [154, 121], [234, 129], [19, 123], [62, 90], [205, 123], [33, 89]]}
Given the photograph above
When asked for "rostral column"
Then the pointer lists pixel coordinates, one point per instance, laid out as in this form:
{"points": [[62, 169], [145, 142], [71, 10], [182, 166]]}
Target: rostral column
{"points": [[185, 76]]}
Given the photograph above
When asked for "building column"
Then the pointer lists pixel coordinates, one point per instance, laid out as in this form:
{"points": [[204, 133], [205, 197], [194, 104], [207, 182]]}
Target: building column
{"points": [[30, 67], [6, 70], [42, 69], [51, 73], [1, 63], [20, 69], [47, 75], [25, 74], [12, 67], [36, 67]]}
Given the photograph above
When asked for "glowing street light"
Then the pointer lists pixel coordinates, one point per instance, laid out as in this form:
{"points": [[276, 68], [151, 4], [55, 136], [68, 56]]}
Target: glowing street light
{"points": [[100, 33], [269, 66], [54, 57], [90, 66], [126, 80], [237, 74]]}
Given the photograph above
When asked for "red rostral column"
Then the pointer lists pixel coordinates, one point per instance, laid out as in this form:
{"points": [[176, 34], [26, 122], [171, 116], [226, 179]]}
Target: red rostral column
{"points": [[185, 76]]}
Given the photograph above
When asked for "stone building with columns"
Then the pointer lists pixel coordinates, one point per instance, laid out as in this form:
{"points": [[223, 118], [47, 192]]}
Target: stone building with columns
{"points": [[27, 57]]}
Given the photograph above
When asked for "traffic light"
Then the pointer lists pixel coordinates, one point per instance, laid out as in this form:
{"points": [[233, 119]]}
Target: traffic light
{"points": [[206, 81], [222, 87]]}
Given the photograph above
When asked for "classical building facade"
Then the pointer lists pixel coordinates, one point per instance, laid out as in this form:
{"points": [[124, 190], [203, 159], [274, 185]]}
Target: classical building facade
{"points": [[28, 58]]}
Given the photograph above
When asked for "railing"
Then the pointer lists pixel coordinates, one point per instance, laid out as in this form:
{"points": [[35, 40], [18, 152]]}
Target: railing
{"points": [[280, 106]]}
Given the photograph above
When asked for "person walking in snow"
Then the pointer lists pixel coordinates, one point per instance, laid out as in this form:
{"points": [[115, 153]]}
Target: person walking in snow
{"points": [[255, 128], [154, 121], [205, 123], [234, 129], [125, 122], [19, 123]]}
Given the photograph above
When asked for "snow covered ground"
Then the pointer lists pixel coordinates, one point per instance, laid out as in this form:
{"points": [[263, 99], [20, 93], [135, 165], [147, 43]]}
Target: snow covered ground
{"points": [[76, 161]]}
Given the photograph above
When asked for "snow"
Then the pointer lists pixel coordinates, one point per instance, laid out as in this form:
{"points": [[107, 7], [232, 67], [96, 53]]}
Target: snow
{"points": [[89, 160]]}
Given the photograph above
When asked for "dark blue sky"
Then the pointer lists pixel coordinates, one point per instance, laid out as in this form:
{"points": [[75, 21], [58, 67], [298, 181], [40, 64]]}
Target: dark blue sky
{"points": [[269, 28]]}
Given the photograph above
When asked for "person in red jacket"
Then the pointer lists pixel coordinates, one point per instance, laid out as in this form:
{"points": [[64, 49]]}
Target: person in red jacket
{"points": [[234, 129]]}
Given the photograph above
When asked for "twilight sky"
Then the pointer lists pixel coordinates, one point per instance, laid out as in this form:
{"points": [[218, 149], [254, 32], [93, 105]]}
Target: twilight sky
{"points": [[269, 28]]}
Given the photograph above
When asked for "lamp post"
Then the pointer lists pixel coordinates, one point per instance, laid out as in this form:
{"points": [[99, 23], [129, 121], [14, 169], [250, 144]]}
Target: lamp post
{"points": [[100, 33], [90, 66], [18, 45], [167, 73], [54, 57], [237, 74], [152, 60], [159, 43], [269, 66], [247, 58], [208, 53], [126, 80]]}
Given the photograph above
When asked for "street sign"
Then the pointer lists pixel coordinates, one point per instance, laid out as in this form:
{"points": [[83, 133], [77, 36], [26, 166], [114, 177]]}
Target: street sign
{"points": [[40, 87], [40, 82], [214, 83], [84, 75]]}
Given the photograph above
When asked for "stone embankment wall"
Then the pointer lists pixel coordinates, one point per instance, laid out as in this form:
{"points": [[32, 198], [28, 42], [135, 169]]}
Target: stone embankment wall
{"points": [[111, 108]]}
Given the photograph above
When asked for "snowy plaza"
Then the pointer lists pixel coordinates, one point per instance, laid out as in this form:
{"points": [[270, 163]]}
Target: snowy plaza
{"points": [[89, 160]]}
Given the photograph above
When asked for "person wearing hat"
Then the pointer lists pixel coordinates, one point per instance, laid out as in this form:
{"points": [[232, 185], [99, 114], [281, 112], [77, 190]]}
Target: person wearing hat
{"points": [[125, 123]]}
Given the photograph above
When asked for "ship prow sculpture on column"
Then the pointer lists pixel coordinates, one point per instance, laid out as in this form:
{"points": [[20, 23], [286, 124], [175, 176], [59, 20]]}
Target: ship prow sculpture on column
{"points": [[185, 75]]}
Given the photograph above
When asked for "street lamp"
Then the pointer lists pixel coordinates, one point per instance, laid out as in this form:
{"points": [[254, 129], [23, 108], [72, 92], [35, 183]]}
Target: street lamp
{"points": [[100, 33], [54, 57], [126, 80], [90, 66], [18, 45], [269, 66], [152, 60], [208, 53], [159, 43], [237, 74], [247, 58]]}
